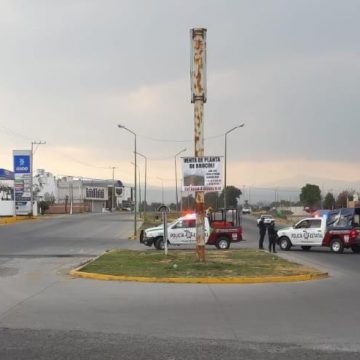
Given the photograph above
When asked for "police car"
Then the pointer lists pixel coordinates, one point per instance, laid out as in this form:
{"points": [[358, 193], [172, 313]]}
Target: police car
{"points": [[266, 218], [315, 232], [183, 232]]}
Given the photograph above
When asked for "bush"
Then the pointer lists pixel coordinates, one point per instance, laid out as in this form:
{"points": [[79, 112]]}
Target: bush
{"points": [[44, 206]]}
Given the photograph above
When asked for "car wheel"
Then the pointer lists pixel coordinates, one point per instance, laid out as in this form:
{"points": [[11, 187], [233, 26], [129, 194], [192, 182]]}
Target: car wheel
{"points": [[306, 248], [159, 243], [284, 243], [355, 249], [337, 246], [223, 243]]}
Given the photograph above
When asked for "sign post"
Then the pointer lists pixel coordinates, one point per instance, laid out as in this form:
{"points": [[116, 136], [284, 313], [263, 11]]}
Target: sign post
{"points": [[164, 210], [198, 98]]}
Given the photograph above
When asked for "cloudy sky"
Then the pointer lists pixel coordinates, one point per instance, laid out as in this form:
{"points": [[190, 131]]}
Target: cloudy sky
{"points": [[71, 70]]}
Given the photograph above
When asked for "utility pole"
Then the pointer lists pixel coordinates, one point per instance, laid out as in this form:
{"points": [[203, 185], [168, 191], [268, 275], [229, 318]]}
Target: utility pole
{"points": [[198, 98], [113, 187], [135, 180], [162, 190], [32, 174], [137, 166], [145, 181]]}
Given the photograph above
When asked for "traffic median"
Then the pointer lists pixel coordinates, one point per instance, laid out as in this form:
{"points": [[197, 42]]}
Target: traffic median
{"points": [[241, 266]]}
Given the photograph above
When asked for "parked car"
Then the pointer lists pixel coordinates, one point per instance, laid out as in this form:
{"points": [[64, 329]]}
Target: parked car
{"points": [[267, 219]]}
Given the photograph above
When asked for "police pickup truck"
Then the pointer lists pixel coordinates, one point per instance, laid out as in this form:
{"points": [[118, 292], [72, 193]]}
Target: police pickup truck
{"points": [[183, 232], [337, 230]]}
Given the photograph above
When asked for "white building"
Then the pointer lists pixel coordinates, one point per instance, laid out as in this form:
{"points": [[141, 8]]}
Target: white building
{"points": [[7, 203], [67, 194], [76, 194], [45, 186]]}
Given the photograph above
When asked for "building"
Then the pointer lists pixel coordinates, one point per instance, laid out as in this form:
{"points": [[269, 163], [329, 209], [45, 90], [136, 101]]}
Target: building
{"points": [[7, 202], [67, 194], [70, 194]]}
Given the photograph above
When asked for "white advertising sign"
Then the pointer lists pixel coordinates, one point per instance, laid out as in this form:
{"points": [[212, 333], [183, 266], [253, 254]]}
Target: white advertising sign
{"points": [[202, 173]]}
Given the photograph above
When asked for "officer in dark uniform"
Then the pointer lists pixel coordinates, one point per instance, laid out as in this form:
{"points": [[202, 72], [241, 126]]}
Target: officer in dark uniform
{"points": [[262, 232], [272, 234]]}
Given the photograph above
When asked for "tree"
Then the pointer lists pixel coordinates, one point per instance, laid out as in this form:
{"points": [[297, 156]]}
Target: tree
{"points": [[310, 195], [343, 198], [329, 201], [188, 202], [172, 207], [143, 205], [212, 199], [43, 206], [154, 206], [232, 194]]}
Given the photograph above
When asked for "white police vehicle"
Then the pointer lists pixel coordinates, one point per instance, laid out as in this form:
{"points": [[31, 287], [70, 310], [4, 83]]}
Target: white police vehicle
{"points": [[266, 218]]}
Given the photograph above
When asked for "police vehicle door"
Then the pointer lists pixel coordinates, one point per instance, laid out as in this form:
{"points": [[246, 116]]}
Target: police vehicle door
{"points": [[308, 232], [183, 232]]}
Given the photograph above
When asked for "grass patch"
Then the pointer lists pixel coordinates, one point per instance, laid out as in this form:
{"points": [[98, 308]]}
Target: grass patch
{"points": [[182, 263]]}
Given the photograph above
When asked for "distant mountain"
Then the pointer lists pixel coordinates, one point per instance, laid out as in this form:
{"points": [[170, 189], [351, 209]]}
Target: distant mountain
{"points": [[286, 189], [325, 184]]}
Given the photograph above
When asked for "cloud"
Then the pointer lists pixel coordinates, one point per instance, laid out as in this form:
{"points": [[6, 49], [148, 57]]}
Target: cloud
{"points": [[71, 71]]}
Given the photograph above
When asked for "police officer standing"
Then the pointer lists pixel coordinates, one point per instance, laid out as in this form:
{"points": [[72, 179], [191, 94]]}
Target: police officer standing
{"points": [[262, 232], [272, 234]]}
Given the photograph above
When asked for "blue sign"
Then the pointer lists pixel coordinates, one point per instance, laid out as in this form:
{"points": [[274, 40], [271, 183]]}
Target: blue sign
{"points": [[22, 164]]}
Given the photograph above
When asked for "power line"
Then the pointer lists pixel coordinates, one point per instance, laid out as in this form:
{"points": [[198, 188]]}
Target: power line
{"points": [[178, 141]]}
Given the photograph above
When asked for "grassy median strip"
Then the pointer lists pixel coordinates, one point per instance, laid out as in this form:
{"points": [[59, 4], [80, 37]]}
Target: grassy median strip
{"points": [[182, 264]]}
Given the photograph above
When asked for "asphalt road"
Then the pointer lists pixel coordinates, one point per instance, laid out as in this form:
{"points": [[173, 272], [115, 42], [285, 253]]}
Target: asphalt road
{"points": [[45, 314]]}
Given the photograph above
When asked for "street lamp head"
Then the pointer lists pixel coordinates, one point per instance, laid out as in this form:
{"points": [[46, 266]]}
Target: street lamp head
{"points": [[234, 128], [141, 155], [181, 151], [125, 128]]}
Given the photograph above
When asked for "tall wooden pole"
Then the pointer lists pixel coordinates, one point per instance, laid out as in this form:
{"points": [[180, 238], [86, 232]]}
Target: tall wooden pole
{"points": [[198, 98]]}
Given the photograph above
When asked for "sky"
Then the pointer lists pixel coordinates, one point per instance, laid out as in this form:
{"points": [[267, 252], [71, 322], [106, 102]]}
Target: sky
{"points": [[72, 70]]}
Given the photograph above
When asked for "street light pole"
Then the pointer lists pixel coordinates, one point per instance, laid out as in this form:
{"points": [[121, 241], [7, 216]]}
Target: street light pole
{"points": [[162, 190], [176, 189], [137, 166], [135, 179], [145, 181], [239, 126]]}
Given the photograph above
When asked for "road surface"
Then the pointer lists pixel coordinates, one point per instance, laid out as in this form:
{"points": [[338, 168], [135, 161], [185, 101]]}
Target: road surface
{"points": [[45, 314]]}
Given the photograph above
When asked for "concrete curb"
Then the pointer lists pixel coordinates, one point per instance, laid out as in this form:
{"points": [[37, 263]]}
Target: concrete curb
{"points": [[232, 280], [14, 219], [7, 220]]}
